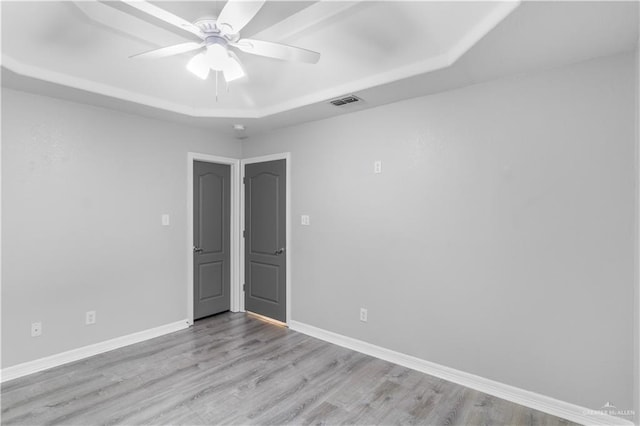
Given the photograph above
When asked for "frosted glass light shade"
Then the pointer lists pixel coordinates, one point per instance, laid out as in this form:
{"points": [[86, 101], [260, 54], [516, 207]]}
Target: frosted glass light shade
{"points": [[216, 58], [233, 70], [199, 66]]}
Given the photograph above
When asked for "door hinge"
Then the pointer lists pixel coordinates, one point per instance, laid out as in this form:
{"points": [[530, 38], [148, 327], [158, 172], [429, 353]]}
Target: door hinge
{"points": [[244, 234], [244, 180], [244, 287]]}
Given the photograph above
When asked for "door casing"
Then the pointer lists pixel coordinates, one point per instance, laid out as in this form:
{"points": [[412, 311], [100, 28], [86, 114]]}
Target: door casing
{"points": [[282, 156], [237, 225], [234, 246]]}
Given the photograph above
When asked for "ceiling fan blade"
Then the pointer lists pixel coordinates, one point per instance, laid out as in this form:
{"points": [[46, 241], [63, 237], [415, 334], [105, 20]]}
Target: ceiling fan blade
{"points": [[277, 50], [236, 14], [165, 16], [163, 52]]}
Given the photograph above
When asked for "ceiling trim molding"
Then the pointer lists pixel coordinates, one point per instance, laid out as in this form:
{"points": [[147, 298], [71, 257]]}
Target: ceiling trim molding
{"points": [[444, 60], [63, 79]]}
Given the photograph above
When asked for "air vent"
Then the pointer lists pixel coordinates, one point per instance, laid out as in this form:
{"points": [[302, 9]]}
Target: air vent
{"points": [[345, 101]]}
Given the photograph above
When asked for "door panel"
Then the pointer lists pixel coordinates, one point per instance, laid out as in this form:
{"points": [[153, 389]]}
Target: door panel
{"points": [[265, 281], [211, 211], [211, 280], [265, 238], [211, 239]]}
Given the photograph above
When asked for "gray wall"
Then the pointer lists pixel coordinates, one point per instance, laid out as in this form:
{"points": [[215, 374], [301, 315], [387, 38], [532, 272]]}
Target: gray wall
{"points": [[83, 191], [499, 239]]}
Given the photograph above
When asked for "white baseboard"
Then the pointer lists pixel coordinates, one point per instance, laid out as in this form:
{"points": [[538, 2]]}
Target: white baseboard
{"points": [[529, 399], [34, 366]]}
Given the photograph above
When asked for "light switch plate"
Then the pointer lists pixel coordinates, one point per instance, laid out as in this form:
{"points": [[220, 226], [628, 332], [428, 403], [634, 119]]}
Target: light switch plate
{"points": [[305, 220], [363, 314], [165, 220]]}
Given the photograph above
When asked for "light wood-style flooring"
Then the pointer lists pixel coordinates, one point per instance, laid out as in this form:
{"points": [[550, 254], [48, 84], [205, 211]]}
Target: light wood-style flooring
{"points": [[236, 369]]}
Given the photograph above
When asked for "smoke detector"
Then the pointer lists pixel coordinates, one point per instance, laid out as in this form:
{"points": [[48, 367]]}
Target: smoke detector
{"points": [[240, 131]]}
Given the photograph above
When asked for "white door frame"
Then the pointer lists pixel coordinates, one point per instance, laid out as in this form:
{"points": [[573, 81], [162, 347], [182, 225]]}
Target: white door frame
{"points": [[234, 217], [281, 156]]}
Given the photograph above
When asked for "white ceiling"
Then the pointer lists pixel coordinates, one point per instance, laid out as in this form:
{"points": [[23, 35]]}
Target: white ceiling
{"points": [[382, 51]]}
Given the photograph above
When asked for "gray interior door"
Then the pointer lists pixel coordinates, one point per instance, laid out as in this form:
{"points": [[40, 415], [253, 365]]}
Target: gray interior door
{"points": [[211, 238], [265, 237]]}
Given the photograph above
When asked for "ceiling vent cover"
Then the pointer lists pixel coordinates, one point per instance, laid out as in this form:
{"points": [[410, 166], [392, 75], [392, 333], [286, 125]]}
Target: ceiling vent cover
{"points": [[345, 101]]}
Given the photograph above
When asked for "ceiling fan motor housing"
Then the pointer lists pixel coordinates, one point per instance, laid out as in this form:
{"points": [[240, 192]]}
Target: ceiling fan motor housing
{"points": [[209, 28], [216, 39]]}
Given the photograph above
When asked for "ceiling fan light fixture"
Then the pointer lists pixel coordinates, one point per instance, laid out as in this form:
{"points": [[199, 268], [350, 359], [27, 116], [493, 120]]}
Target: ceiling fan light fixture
{"points": [[199, 66], [218, 37]]}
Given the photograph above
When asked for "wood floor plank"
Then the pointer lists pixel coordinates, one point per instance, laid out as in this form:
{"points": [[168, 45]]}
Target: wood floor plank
{"points": [[238, 370]]}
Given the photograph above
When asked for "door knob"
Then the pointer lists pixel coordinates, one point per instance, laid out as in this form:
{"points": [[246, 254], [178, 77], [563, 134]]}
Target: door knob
{"points": [[279, 251], [197, 249]]}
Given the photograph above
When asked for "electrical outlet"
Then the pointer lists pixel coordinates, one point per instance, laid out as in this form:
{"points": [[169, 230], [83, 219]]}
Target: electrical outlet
{"points": [[36, 329], [305, 220], [363, 315], [377, 166], [90, 317]]}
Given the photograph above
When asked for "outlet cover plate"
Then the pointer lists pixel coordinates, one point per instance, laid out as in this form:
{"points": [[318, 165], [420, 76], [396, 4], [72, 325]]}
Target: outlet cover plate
{"points": [[36, 329]]}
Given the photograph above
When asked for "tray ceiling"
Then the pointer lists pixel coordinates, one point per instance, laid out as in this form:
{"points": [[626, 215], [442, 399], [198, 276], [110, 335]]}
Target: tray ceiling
{"points": [[381, 51], [363, 44]]}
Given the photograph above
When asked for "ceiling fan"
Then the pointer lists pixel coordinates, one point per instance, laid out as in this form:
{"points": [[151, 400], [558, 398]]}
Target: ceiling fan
{"points": [[217, 37]]}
